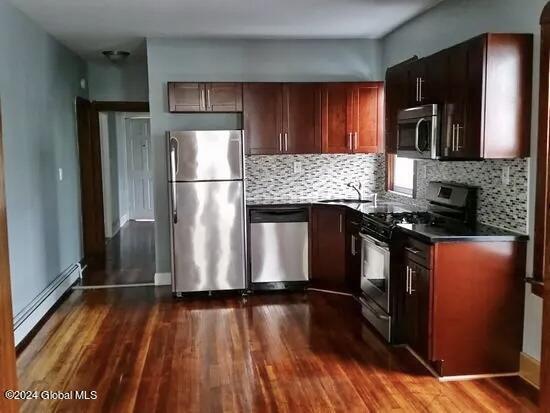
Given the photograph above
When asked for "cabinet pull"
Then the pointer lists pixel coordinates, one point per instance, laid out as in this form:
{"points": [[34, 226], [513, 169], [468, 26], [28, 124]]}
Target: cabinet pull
{"points": [[407, 280], [208, 105], [420, 97], [355, 141], [413, 250], [203, 99], [458, 146], [286, 142], [340, 223], [411, 291], [353, 252], [416, 90], [280, 142], [453, 134], [350, 144]]}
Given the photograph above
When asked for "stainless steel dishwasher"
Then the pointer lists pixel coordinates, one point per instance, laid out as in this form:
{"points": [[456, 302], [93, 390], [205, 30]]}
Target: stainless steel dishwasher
{"points": [[279, 245]]}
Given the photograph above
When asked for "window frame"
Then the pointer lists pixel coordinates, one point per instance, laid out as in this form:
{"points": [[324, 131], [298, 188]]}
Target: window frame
{"points": [[390, 184]]}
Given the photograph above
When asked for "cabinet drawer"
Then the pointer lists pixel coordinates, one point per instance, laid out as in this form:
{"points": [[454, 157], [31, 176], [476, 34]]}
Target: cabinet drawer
{"points": [[418, 252]]}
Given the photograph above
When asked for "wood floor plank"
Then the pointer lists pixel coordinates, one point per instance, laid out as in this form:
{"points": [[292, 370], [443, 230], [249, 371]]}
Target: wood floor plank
{"points": [[144, 351]]}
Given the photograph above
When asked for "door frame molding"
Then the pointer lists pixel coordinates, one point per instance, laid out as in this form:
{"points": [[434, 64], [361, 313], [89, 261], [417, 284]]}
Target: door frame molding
{"points": [[8, 369], [542, 214], [93, 228]]}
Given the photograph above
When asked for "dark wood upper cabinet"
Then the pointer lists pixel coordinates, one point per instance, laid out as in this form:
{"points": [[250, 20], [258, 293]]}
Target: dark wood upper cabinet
{"points": [[328, 248], [204, 97], [301, 118], [337, 122], [282, 118], [484, 88], [263, 118], [368, 117], [186, 97], [224, 97], [352, 117], [396, 97]]}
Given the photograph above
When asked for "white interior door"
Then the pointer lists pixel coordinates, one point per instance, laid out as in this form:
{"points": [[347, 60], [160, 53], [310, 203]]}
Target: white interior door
{"points": [[140, 170]]}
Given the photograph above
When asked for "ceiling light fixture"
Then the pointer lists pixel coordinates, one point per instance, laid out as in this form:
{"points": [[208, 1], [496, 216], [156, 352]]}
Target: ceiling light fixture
{"points": [[116, 56]]}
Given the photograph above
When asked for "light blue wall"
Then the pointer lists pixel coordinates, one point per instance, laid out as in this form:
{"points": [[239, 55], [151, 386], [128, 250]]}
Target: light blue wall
{"points": [[238, 60], [123, 81], [39, 80], [454, 21]]}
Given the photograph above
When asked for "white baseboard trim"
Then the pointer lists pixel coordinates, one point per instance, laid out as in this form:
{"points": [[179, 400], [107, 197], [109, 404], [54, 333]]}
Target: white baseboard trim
{"points": [[30, 316], [163, 278], [529, 369]]}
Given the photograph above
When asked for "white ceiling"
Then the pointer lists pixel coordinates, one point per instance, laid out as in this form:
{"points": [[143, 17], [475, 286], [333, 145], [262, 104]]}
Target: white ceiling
{"points": [[89, 26]]}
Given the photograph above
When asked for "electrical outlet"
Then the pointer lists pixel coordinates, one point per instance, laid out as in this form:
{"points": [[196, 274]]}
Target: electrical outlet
{"points": [[60, 174], [505, 178], [297, 167]]}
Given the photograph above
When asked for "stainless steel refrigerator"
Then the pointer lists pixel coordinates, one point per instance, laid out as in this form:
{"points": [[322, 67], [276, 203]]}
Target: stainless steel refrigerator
{"points": [[207, 210]]}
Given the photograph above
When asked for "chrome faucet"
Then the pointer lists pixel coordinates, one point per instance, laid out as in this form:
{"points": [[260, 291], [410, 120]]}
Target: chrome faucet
{"points": [[357, 187]]}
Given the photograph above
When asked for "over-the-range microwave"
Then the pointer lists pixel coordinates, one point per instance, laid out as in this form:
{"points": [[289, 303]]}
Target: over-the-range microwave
{"points": [[418, 132]]}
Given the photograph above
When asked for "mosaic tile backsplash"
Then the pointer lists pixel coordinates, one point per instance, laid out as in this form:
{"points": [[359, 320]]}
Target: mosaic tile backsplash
{"points": [[321, 176], [501, 205], [326, 176]]}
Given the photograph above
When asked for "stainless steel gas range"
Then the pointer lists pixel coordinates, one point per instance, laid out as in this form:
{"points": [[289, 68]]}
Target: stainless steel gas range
{"points": [[376, 247], [449, 204]]}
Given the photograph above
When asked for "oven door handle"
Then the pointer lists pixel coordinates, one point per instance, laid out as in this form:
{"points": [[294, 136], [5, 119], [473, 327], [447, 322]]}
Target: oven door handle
{"points": [[373, 240], [417, 133], [373, 310]]}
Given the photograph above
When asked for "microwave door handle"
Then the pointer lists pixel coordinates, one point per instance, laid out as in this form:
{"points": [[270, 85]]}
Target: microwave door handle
{"points": [[417, 132]]}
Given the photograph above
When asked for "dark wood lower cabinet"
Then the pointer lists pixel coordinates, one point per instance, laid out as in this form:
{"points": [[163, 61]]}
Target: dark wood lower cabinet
{"points": [[353, 252], [462, 305], [328, 248]]}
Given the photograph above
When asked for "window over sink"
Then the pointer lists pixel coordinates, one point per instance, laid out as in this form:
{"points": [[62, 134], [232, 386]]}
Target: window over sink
{"points": [[401, 174]]}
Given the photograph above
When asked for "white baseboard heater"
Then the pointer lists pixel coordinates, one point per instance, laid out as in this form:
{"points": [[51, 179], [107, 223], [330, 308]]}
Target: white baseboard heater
{"points": [[30, 316]]}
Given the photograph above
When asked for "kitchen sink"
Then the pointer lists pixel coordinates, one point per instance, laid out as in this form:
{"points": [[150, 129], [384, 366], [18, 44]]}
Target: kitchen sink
{"points": [[346, 201]]}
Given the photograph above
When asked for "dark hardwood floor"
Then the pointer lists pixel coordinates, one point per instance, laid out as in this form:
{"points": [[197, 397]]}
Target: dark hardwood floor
{"points": [[144, 351], [130, 257]]}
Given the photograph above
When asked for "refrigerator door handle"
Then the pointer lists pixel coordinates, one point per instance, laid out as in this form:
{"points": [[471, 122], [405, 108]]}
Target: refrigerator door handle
{"points": [[174, 171]]}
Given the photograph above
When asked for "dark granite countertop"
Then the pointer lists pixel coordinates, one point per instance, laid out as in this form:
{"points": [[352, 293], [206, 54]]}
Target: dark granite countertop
{"points": [[479, 233], [365, 207]]}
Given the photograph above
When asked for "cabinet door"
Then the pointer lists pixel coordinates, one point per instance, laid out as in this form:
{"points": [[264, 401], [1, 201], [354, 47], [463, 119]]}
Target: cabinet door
{"points": [[416, 83], [454, 118], [328, 255], [353, 253], [418, 308], [368, 109], [337, 102], [396, 99], [262, 118], [301, 118], [224, 97], [186, 97]]}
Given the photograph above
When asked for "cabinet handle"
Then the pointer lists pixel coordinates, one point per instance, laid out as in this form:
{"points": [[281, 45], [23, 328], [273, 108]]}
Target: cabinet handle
{"points": [[280, 142], [413, 250], [416, 90], [203, 99], [353, 252], [458, 146], [411, 291], [420, 97], [453, 138], [350, 138], [355, 140], [340, 223], [286, 142], [407, 280], [208, 105]]}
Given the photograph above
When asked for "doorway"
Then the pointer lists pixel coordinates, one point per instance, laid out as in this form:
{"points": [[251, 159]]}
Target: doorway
{"points": [[117, 183]]}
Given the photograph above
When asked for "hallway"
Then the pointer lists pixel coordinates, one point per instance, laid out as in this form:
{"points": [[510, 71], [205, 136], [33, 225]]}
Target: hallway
{"points": [[130, 257]]}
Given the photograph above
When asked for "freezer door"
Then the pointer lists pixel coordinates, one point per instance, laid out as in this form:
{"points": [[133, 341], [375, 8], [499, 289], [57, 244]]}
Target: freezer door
{"points": [[208, 236], [205, 155]]}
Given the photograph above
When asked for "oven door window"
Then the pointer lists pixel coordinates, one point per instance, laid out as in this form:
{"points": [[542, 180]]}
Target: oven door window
{"points": [[375, 273]]}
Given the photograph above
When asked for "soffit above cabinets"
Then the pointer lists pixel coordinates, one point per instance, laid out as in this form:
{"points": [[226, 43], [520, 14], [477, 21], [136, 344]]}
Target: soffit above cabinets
{"points": [[87, 27]]}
